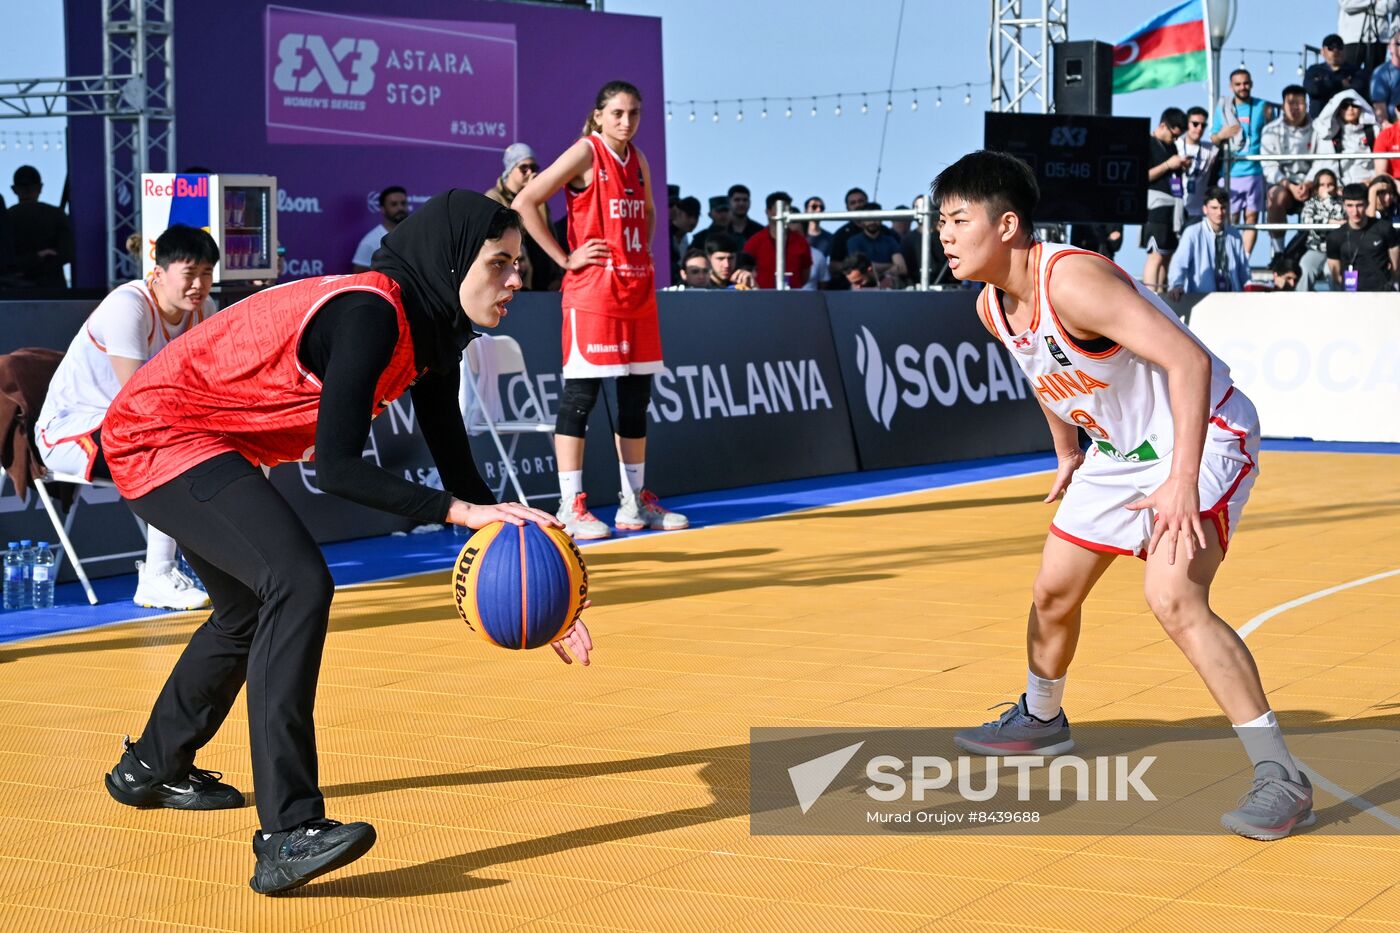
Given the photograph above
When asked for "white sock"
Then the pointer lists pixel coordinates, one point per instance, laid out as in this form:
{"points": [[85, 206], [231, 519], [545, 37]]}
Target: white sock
{"points": [[570, 484], [1043, 695], [160, 551], [632, 476], [1263, 741]]}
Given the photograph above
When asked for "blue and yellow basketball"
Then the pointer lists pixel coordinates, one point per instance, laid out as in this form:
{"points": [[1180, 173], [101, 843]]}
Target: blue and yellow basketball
{"points": [[520, 586]]}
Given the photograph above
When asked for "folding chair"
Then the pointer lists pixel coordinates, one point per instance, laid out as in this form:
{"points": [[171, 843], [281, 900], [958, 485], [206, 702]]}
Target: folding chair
{"points": [[488, 359], [61, 527]]}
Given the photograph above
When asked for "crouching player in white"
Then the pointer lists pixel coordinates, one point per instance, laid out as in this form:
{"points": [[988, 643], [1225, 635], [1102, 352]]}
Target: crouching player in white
{"points": [[1173, 454], [129, 327]]}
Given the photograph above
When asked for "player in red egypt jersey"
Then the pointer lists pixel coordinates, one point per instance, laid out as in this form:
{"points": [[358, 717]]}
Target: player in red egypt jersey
{"points": [[609, 304]]}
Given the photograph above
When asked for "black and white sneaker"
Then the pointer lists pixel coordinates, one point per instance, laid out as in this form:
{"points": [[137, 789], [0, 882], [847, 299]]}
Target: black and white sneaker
{"points": [[289, 859], [133, 783]]}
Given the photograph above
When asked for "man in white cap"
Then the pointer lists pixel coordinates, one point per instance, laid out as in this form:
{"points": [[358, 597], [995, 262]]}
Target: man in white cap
{"points": [[540, 273]]}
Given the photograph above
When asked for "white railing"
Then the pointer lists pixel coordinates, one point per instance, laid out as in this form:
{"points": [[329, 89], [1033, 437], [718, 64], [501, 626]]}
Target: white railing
{"points": [[1303, 157], [921, 215]]}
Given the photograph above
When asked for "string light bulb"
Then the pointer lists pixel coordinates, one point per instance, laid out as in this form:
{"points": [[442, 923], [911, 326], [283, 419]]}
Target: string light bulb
{"points": [[31, 142], [714, 117], [814, 106], [889, 104], [788, 112], [967, 98], [837, 111], [864, 105], [1270, 68], [692, 111], [764, 114], [914, 104], [669, 114], [939, 101], [739, 117]]}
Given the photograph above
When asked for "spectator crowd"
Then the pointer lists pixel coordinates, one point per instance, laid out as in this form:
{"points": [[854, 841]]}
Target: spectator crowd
{"points": [[1207, 174]]}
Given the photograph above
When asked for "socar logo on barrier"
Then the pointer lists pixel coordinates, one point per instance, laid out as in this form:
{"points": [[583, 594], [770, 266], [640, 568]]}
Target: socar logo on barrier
{"points": [[881, 394]]}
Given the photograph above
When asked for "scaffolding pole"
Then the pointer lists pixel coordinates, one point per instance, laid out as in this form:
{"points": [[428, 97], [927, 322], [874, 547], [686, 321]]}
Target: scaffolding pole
{"points": [[1020, 52], [134, 96]]}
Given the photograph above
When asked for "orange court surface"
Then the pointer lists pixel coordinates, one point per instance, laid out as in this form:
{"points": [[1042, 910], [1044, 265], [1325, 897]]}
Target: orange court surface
{"points": [[513, 793]]}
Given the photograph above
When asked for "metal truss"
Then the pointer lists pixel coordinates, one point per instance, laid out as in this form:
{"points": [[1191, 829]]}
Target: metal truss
{"points": [[1020, 52], [134, 96]]}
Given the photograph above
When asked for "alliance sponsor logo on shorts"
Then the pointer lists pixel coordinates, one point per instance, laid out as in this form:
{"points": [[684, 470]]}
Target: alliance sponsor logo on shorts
{"points": [[602, 348], [935, 373]]}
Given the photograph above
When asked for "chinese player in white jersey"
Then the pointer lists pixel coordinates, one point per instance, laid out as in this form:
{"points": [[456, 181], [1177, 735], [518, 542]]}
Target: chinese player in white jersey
{"points": [[1172, 457]]}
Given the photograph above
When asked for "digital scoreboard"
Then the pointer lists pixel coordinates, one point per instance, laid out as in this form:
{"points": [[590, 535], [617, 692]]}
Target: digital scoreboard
{"points": [[1090, 169]]}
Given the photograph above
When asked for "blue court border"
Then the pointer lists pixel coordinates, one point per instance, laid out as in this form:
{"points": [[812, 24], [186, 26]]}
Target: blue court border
{"points": [[383, 558]]}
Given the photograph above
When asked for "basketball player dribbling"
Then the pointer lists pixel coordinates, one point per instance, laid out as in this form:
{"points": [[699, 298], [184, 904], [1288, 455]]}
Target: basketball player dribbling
{"points": [[609, 303], [1172, 457], [288, 374]]}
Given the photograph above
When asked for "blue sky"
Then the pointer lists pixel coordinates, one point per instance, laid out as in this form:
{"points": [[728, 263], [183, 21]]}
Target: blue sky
{"points": [[791, 49]]}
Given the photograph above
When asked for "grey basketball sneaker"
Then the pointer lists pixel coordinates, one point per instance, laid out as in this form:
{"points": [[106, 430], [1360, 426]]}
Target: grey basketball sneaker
{"points": [[1274, 806], [1017, 732]]}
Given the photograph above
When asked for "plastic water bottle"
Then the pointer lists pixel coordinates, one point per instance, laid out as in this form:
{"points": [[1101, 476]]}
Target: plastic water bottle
{"points": [[43, 576], [14, 577], [26, 561]]}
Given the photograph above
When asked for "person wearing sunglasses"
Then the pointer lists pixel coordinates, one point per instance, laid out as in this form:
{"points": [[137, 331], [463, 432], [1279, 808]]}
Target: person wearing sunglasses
{"points": [[1199, 157], [538, 272]]}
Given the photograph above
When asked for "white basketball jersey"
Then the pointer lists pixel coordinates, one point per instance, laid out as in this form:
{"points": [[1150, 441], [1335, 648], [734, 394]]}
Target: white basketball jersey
{"points": [[1118, 398]]}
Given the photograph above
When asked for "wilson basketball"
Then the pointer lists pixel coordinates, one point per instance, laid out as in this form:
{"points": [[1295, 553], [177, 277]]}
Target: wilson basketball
{"points": [[519, 586]]}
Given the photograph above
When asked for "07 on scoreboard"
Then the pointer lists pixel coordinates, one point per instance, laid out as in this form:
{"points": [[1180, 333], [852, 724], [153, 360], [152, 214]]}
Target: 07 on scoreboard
{"points": [[1090, 169]]}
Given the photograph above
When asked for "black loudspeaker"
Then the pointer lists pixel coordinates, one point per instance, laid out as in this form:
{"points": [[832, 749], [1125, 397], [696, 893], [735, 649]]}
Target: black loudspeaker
{"points": [[1084, 78]]}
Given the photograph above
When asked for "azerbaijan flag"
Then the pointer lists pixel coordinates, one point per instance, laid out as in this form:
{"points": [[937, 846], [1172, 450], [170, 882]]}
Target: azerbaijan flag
{"points": [[1168, 50]]}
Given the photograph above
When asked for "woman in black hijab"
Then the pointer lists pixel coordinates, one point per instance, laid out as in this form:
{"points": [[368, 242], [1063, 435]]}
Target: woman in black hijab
{"points": [[287, 374]]}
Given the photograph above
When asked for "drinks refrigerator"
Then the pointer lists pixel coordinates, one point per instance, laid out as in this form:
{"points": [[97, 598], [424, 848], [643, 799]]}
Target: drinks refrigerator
{"points": [[239, 211]]}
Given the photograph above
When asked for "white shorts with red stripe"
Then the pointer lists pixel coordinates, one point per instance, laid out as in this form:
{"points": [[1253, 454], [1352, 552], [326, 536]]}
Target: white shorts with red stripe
{"points": [[1092, 513], [67, 445], [598, 345]]}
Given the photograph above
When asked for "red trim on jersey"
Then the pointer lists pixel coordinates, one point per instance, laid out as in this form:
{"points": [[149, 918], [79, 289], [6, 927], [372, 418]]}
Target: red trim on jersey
{"points": [[1078, 347], [1092, 546], [984, 313], [1000, 311]]}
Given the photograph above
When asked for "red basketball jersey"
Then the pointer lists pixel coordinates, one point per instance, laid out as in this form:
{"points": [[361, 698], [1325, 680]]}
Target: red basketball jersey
{"points": [[612, 207], [234, 384]]}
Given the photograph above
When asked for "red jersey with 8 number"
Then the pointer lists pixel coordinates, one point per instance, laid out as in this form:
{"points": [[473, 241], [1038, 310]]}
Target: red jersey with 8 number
{"points": [[613, 208]]}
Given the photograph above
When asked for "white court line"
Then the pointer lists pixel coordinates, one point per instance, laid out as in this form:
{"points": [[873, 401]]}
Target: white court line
{"points": [[1346, 796], [1246, 629], [1333, 788]]}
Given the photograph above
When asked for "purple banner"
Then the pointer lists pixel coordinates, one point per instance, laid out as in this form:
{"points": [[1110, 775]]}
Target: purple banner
{"points": [[534, 69], [342, 79]]}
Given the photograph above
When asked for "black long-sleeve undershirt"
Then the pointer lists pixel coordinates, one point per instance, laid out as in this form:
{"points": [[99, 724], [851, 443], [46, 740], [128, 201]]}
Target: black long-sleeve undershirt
{"points": [[348, 345]]}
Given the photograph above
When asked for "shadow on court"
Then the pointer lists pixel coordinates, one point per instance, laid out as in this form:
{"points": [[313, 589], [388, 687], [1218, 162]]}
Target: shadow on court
{"points": [[1210, 787]]}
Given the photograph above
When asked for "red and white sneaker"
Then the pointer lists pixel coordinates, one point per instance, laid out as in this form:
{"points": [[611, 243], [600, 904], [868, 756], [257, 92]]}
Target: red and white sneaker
{"points": [[644, 511], [580, 523]]}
